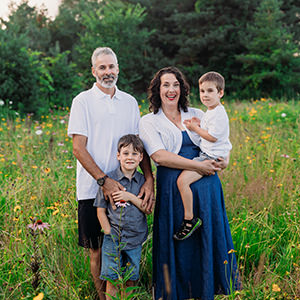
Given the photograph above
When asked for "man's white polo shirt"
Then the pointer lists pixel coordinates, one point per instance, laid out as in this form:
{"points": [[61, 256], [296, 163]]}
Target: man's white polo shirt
{"points": [[103, 120]]}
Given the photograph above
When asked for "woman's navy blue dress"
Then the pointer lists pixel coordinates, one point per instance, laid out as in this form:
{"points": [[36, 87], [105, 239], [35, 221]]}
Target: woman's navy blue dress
{"points": [[202, 265]]}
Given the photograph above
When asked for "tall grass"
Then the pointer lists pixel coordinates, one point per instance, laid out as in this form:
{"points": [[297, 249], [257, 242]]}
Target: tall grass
{"points": [[261, 187]]}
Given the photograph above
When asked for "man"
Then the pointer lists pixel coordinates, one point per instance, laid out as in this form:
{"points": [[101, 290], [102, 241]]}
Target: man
{"points": [[98, 118]]}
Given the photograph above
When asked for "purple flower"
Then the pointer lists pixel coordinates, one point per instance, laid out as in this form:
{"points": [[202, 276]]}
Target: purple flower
{"points": [[39, 225], [284, 155], [122, 203]]}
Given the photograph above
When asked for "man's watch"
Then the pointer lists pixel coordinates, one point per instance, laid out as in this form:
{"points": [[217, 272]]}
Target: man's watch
{"points": [[101, 180]]}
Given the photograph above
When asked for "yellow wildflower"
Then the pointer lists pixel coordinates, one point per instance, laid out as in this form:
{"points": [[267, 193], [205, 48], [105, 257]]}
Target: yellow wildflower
{"points": [[47, 170], [40, 296], [276, 288], [17, 207], [55, 212]]}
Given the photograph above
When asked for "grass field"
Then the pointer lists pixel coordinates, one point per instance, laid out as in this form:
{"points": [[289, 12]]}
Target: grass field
{"points": [[261, 187]]}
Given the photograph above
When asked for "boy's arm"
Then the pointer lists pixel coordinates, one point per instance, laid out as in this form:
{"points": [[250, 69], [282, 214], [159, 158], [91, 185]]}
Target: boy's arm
{"points": [[103, 219], [194, 126], [126, 196]]}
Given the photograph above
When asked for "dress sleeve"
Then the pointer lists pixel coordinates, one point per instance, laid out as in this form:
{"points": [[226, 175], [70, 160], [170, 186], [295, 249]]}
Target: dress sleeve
{"points": [[150, 136]]}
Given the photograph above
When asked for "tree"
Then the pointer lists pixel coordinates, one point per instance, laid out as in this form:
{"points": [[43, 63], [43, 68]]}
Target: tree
{"points": [[21, 76], [291, 18], [30, 23], [68, 24], [116, 25], [271, 66], [199, 35]]}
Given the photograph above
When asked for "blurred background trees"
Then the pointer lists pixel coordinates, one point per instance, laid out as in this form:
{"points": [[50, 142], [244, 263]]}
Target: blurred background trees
{"points": [[254, 44]]}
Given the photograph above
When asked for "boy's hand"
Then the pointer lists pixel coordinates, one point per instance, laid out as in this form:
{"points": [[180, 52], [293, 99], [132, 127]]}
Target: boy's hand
{"points": [[107, 230], [121, 195], [111, 186]]}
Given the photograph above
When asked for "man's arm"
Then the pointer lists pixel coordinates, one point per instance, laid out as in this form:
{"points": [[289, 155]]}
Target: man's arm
{"points": [[86, 160], [147, 189], [127, 196]]}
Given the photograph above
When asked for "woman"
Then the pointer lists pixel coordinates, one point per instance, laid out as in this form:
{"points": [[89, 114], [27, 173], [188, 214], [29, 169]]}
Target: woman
{"points": [[204, 264]]}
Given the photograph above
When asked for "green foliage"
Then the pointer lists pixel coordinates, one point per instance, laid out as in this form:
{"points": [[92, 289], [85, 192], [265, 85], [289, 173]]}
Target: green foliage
{"points": [[30, 22], [117, 26], [291, 17], [31, 81], [67, 26], [66, 82], [270, 67], [20, 74], [261, 188], [254, 44]]}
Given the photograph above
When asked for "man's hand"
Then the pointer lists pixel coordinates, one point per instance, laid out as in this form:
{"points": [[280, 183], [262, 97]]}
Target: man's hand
{"points": [[147, 194], [111, 186]]}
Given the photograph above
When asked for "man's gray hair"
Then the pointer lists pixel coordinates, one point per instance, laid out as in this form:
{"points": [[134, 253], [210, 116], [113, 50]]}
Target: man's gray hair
{"points": [[103, 51]]}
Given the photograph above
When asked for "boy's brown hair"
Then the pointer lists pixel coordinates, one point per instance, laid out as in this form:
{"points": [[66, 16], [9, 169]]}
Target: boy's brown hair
{"points": [[131, 139], [215, 77]]}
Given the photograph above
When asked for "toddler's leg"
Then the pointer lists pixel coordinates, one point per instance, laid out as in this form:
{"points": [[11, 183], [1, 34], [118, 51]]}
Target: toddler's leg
{"points": [[189, 224], [185, 179]]}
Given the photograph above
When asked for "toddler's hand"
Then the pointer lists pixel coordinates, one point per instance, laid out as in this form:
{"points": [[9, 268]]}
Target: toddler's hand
{"points": [[196, 121], [191, 124]]}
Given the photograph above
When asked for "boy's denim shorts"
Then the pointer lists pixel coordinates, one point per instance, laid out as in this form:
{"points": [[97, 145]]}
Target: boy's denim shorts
{"points": [[112, 258]]}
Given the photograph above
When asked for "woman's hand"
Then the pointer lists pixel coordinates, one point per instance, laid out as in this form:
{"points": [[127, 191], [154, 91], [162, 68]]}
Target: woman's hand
{"points": [[208, 167], [223, 163]]}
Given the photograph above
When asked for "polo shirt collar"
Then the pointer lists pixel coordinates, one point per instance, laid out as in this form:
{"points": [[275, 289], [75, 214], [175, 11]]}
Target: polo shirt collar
{"points": [[100, 94], [120, 175]]}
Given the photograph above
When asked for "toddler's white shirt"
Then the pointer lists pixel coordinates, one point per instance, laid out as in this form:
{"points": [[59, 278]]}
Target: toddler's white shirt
{"points": [[216, 122]]}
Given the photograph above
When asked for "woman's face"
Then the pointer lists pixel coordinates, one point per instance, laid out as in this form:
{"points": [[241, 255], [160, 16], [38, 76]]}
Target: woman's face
{"points": [[169, 90]]}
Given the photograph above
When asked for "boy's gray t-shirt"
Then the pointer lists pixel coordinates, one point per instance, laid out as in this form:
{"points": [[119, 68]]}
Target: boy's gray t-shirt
{"points": [[132, 224]]}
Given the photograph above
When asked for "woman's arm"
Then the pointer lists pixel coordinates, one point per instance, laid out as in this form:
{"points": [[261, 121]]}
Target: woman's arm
{"points": [[172, 160]]}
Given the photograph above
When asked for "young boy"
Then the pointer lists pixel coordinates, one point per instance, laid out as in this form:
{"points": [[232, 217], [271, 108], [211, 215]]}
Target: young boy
{"points": [[126, 227], [215, 144]]}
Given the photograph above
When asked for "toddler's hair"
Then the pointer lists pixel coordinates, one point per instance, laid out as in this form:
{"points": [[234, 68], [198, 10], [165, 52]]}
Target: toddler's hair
{"points": [[215, 77], [131, 139]]}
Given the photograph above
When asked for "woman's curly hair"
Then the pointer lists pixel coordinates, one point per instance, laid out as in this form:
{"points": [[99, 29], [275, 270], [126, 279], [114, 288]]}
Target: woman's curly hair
{"points": [[154, 89]]}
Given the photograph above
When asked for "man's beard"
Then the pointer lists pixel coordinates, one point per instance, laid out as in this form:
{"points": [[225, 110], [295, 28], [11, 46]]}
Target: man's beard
{"points": [[110, 84]]}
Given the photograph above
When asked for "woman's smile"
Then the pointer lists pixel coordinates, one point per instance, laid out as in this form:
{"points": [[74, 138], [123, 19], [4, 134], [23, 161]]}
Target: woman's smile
{"points": [[169, 89]]}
